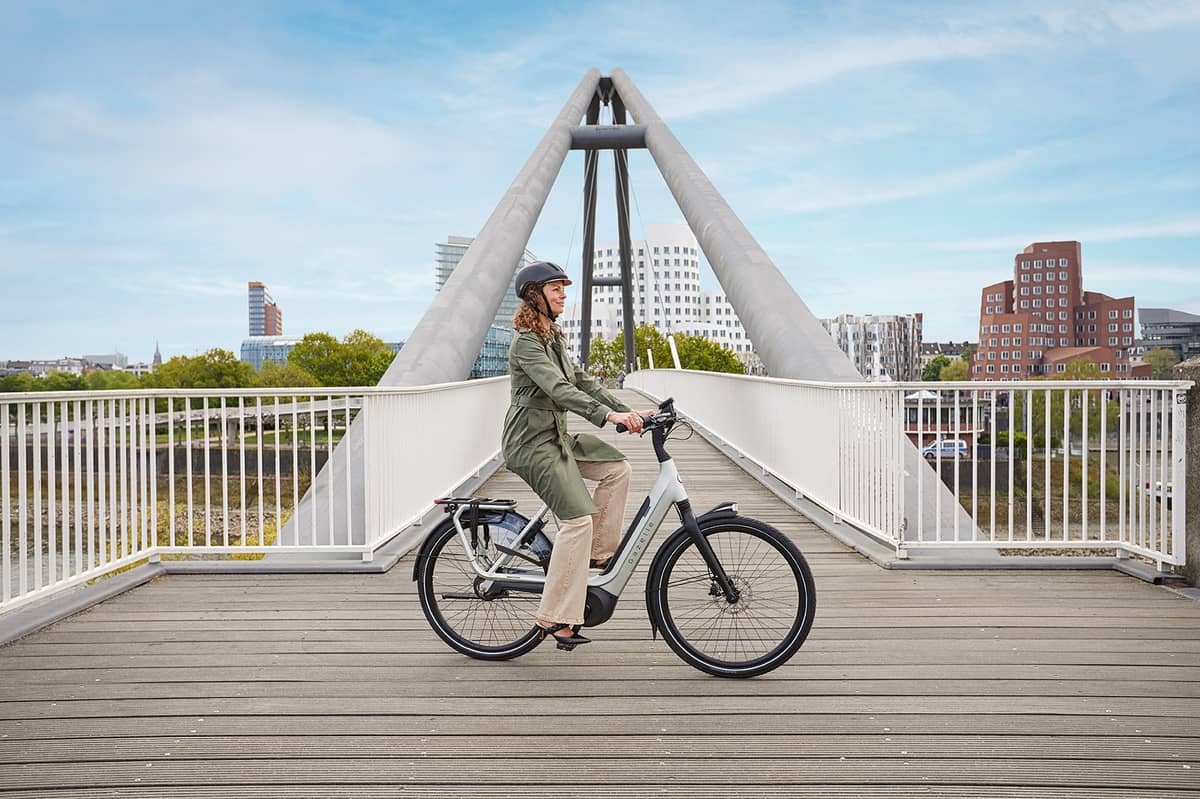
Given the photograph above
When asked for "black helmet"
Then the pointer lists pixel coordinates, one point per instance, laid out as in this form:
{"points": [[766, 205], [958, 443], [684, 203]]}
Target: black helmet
{"points": [[538, 273]]}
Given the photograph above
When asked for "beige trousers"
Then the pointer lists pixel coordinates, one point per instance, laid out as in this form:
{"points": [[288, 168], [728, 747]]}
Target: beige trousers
{"points": [[581, 539]]}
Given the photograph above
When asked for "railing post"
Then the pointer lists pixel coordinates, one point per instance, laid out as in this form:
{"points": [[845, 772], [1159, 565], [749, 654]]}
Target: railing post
{"points": [[1190, 370]]}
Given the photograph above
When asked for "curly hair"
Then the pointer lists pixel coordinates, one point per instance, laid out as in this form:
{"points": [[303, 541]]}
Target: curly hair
{"points": [[528, 317]]}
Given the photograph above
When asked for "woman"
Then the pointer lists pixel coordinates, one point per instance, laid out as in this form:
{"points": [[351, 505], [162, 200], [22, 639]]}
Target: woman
{"points": [[545, 384]]}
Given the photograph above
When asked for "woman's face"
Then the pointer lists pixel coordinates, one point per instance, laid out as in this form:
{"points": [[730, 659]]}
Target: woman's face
{"points": [[556, 296]]}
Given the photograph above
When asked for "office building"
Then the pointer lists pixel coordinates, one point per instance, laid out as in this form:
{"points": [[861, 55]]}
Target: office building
{"points": [[1178, 331], [447, 256], [666, 294], [1043, 320], [880, 346], [266, 318]]}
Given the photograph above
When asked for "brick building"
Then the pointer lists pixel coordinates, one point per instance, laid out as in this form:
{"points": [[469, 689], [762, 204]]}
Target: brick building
{"points": [[1042, 320]]}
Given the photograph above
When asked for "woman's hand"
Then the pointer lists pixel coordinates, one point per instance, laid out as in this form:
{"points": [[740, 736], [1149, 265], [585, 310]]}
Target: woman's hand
{"points": [[632, 420]]}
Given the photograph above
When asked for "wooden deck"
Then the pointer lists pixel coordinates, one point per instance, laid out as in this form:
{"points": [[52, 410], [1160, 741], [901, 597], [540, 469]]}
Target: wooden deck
{"points": [[942, 684]]}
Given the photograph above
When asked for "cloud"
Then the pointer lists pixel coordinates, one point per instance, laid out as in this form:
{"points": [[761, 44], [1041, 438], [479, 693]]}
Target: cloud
{"points": [[1187, 227], [816, 193]]}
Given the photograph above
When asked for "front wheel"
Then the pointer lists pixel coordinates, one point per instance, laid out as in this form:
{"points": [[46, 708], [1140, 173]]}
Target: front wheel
{"points": [[752, 635]]}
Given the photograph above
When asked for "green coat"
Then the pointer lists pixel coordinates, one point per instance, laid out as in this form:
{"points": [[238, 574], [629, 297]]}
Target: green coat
{"points": [[537, 447]]}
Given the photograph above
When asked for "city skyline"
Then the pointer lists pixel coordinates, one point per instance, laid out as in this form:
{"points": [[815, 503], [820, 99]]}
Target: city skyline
{"points": [[889, 159]]}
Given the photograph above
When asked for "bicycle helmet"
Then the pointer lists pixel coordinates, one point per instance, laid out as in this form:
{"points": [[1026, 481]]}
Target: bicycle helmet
{"points": [[538, 274]]}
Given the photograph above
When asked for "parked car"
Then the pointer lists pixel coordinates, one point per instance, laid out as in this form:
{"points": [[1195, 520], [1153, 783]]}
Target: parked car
{"points": [[946, 447], [1158, 493]]}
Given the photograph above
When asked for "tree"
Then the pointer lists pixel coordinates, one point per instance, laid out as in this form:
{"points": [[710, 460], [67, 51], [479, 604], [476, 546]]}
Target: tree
{"points": [[933, 369], [288, 375], [360, 359], [605, 354], [216, 368], [954, 370], [104, 380], [695, 352], [1162, 360], [966, 354]]}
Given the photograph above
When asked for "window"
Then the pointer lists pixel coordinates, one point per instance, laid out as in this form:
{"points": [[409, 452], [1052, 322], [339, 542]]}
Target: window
{"points": [[991, 367], [1016, 367], [991, 356], [1091, 314], [1113, 328], [1024, 303], [1104, 367], [1112, 314], [1037, 264], [1062, 275], [1127, 341], [991, 342], [1060, 367], [1024, 264], [1037, 278], [1024, 291], [1004, 355], [1016, 355], [995, 328], [1127, 313], [1024, 278], [1062, 262], [1037, 289], [1004, 367], [1112, 342], [1127, 328], [1004, 341], [1037, 303]]}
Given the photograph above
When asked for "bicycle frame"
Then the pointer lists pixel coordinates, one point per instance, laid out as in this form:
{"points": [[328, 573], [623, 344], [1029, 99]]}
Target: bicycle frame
{"points": [[668, 492]]}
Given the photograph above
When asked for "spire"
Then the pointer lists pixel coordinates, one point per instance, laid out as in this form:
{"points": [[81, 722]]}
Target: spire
{"points": [[157, 360]]}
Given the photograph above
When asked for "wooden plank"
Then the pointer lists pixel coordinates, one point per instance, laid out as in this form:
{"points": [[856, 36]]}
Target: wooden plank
{"points": [[535, 721], [1182, 708], [632, 747], [968, 770], [278, 686]]}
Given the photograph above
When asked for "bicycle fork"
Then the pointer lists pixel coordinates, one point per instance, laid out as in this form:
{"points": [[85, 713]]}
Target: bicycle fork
{"points": [[716, 570]]}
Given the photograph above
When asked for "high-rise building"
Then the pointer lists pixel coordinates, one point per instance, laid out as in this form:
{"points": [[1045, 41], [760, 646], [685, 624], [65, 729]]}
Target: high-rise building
{"points": [[1042, 320], [266, 318], [493, 356], [447, 256], [666, 293], [880, 346]]}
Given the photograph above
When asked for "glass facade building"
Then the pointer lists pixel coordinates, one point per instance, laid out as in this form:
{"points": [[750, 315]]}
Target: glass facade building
{"points": [[256, 350], [493, 358]]}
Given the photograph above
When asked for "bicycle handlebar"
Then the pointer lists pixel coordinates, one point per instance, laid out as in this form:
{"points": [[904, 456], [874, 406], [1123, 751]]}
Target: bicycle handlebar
{"points": [[665, 415]]}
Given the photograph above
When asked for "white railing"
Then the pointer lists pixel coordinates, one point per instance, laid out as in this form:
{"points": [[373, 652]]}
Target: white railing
{"points": [[94, 482], [1045, 464]]}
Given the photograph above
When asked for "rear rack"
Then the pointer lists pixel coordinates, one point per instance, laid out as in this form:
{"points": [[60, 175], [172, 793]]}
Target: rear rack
{"points": [[451, 504]]}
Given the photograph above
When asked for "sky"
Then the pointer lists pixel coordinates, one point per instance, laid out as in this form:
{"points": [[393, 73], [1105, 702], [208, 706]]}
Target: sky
{"points": [[889, 157]]}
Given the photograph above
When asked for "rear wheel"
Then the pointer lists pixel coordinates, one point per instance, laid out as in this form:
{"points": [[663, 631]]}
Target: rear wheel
{"points": [[759, 631], [485, 624]]}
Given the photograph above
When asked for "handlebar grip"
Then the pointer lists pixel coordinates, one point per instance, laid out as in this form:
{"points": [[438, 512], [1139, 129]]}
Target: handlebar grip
{"points": [[621, 428]]}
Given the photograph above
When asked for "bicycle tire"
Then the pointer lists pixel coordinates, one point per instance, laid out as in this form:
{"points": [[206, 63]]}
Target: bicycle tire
{"points": [[500, 627], [758, 633]]}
